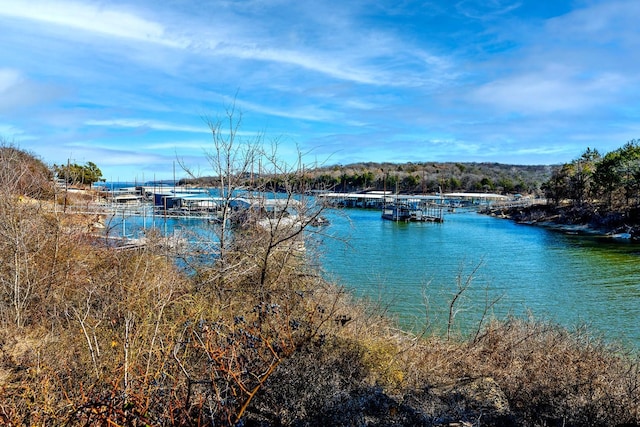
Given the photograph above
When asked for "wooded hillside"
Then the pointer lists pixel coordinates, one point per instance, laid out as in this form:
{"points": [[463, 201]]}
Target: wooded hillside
{"points": [[420, 178]]}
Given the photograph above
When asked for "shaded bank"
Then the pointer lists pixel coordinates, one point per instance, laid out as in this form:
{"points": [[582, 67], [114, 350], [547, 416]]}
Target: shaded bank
{"points": [[573, 219]]}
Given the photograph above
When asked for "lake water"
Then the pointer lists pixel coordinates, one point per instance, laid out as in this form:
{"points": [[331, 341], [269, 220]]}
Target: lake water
{"points": [[569, 279], [407, 267]]}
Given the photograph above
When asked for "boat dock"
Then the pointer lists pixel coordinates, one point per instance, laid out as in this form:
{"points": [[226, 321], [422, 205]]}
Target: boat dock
{"points": [[380, 199], [201, 203], [413, 212]]}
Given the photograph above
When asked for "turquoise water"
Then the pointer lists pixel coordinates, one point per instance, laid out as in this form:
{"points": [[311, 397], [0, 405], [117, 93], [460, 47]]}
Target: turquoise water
{"points": [[413, 269], [569, 279]]}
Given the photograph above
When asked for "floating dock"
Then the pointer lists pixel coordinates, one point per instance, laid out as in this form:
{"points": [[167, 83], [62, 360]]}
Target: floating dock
{"points": [[413, 212], [380, 199]]}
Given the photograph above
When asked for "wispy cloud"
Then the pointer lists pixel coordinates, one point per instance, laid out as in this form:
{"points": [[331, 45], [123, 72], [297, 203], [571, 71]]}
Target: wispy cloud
{"points": [[549, 92], [365, 80], [147, 124], [486, 9], [574, 64], [10, 132], [17, 92], [91, 18], [183, 144], [306, 112], [357, 62], [9, 78], [542, 150]]}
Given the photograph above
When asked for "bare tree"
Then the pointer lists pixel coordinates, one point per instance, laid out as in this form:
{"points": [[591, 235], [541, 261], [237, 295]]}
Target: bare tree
{"points": [[259, 273], [263, 207], [27, 239]]}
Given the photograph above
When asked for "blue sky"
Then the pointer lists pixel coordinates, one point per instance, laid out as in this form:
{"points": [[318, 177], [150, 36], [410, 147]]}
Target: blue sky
{"points": [[129, 84]]}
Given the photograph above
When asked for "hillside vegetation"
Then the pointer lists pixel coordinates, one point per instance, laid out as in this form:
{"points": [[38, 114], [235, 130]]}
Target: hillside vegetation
{"points": [[595, 190], [417, 178], [252, 335]]}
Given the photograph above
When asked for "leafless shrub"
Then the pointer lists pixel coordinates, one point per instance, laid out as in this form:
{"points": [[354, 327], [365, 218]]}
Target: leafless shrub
{"points": [[556, 376], [93, 336], [23, 174]]}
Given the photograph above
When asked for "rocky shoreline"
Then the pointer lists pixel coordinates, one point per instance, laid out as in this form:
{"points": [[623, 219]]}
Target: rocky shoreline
{"points": [[572, 220]]}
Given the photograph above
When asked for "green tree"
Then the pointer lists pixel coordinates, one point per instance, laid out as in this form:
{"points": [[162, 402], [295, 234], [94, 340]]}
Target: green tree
{"points": [[75, 174], [612, 180], [326, 181], [556, 188], [580, 173], [391, 182], [368, 177], [410, 182], [606, 177], [487, 184], [91, 173], [455, 183], [629, 170]]}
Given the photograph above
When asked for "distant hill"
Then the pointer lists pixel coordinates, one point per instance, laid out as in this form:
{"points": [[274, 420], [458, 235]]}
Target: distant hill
{"points": [[431, 177], [420, 177]]}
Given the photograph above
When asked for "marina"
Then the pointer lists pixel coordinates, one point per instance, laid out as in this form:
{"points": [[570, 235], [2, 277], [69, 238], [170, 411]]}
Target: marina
{"points": [[205, 203], [379, 199], [181, 202], [412, 267]]}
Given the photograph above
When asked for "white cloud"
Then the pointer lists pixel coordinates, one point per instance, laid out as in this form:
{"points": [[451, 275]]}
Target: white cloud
{"points": [[486, 9], [10, 133], [599, 23], [147, 124], [354, 60], [314, 61], [9, 78], [198, 144], [92, 18], [578, 63], [531, 94], [18, 92], [306, 112], [555, 89], [542, 150]]}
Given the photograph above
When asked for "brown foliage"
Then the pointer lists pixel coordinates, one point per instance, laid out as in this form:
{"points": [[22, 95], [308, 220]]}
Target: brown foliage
{"points": [[23, 174], [127, 339], [90, 335]]}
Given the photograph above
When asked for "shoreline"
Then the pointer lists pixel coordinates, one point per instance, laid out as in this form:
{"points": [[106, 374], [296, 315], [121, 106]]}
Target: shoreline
{"points": [[539, 216]]}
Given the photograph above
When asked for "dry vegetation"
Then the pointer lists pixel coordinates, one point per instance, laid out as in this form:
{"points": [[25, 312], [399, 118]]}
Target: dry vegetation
{"points": [[419, 177], [94, 336]]}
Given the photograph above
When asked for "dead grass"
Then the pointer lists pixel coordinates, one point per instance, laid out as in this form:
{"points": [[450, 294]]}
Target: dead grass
{"points": [[115, 338]]}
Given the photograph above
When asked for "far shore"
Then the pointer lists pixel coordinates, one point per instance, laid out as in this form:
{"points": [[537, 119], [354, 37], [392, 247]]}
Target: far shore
{"points": [[570, 220]]}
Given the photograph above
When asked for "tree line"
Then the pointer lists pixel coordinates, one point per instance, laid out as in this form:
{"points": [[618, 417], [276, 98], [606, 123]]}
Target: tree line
{"points": [[416, 178], [597, 182]]}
